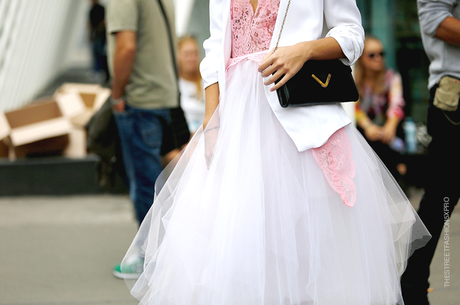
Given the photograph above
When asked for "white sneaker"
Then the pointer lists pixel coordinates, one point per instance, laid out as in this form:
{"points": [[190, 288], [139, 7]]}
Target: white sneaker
{"points": [[131, 268]]}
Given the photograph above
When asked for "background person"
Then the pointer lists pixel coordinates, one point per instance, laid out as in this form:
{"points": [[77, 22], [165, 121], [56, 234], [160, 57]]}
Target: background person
{"points": [[440, 28], [144, 89], [380, 108], [98, 40], [190, 82], [191, 88]]}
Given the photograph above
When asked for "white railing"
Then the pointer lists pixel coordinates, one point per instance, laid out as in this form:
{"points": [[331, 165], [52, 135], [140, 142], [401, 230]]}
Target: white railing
{"points": [[37, 38]]}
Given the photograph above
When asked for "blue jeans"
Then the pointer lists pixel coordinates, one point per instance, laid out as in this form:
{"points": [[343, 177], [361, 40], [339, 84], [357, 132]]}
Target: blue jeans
{"points": [[141, 138]]}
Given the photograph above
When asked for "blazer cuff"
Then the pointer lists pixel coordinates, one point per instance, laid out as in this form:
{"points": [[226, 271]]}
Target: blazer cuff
{"points": [[352, 47]]}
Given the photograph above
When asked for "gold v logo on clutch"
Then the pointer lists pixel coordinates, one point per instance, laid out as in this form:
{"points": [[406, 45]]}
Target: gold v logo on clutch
{"points": [[324, 85]]}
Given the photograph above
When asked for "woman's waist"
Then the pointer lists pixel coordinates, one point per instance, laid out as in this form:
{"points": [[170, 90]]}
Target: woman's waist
{"points": [[255, 57]]}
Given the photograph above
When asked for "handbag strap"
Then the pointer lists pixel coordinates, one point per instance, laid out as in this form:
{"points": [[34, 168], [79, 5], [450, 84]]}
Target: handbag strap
{"points": [[171, 45], [282, 26]]}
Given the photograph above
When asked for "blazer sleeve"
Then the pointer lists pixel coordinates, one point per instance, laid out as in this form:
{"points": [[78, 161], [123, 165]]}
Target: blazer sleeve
{"points": [[213, 45], [343, 20]]}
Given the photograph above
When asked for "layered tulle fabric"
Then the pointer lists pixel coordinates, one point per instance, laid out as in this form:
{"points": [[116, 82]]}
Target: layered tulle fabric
{"points": [[245, 219]]}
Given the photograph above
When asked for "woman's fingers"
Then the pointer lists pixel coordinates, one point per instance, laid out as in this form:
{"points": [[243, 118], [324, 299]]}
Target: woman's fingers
{"points": [[267, 61], [273, 77], [270, 70], [281, 66], [281, 78]]}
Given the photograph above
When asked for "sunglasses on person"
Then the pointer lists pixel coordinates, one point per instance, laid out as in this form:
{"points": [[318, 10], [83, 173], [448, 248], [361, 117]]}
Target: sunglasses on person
{"points": [[375, 54]]}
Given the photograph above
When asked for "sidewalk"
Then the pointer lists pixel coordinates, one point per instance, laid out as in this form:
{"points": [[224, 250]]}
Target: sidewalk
{"points": [[61, 250]]}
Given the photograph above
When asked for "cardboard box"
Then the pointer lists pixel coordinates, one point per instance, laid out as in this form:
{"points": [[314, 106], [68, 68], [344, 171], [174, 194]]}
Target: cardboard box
{"points": [[77, 143], [36, 122], [71, 104], [41, 128], [4, 150], [92, 97], [4, 126], [54, 146], [52, 125]]}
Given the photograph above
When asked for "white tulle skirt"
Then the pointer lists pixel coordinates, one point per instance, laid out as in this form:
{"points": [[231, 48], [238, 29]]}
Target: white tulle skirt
{"points": [[245, 219]]}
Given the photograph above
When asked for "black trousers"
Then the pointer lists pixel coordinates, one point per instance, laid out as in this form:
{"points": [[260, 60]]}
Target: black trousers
{"points": [[442, 192]]}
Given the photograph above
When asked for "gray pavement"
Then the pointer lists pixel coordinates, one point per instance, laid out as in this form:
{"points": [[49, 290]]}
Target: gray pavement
{"points": [[60, 250]]}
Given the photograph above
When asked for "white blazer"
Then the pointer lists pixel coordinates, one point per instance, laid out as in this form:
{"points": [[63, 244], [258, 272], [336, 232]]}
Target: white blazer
{"points": [[307, 20]]}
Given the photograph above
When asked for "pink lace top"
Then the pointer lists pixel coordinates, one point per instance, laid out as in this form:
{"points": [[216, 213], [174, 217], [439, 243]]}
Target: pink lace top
{"points": [[252, 30]]}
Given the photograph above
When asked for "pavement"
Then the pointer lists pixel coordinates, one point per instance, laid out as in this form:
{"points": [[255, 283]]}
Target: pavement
{"points": [[61, 250]]}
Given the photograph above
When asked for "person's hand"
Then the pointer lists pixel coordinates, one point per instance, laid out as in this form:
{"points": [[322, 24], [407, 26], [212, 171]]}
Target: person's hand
{"points": [[205, 122], [373, 132], [119, 107], [389, 130], [284, 63], [210, 133]]}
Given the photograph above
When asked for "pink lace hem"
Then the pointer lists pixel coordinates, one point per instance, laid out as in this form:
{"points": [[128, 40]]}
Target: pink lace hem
{"points": [[335, 158]]}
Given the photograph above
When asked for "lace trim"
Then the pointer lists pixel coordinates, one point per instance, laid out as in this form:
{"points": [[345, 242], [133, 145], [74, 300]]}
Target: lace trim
{"points": [[335, 158], [256, 57], [252, 30]]}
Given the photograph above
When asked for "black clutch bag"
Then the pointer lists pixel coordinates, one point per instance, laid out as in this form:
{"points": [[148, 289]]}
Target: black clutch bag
{"points": [[319, 82]]}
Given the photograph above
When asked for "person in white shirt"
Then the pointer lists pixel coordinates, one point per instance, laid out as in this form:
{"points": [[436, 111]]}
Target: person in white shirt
{"points": [[190, 82]]}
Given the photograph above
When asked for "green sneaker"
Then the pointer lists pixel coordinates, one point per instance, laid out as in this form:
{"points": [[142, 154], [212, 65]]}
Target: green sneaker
{"points": [[131, 269]]}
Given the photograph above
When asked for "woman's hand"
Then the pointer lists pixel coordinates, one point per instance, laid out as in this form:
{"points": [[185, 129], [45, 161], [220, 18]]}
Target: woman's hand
{"points": [[389, 130], [373, 132], [205, 122], [285, 62], [282, 64], [211, 100]]}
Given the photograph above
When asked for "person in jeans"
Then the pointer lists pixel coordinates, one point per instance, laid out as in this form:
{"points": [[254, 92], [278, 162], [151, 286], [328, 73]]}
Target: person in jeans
{"points": [[144, 89], [440, 26]]}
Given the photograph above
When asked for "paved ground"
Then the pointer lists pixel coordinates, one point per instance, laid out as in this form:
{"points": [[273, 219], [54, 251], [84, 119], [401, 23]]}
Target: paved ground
{"points": [[60, 250]]}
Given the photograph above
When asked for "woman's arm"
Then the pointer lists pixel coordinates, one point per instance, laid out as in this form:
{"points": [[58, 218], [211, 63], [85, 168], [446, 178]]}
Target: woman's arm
{"points": [[210, 63], [395, 112], [372, 131], [343, 21], [212, 100]]}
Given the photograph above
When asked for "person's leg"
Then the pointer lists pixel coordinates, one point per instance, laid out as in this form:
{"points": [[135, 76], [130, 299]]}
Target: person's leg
{"points": [[441, 195], [435, 208], [148, 162], [141, 137]]}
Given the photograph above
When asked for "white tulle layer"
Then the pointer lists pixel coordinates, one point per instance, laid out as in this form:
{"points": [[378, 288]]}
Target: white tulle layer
{"points": [[262, 226]]}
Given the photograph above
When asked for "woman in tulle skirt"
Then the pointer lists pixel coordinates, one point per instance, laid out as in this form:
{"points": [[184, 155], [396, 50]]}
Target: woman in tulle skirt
{"points": [[271, 206]]}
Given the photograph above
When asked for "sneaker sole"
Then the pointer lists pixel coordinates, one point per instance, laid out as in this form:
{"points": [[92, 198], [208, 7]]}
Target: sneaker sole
{"points": [[126, 276]]}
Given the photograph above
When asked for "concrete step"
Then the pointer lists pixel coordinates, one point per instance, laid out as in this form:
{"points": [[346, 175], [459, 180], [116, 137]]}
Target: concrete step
{"points": [[53, 176]]}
